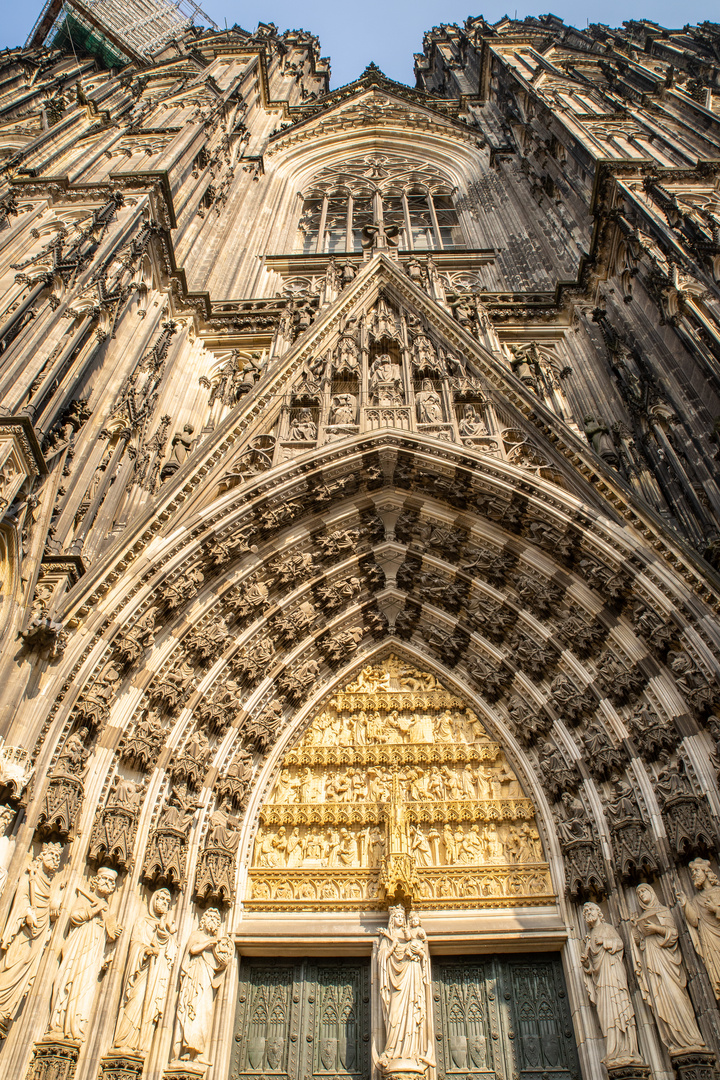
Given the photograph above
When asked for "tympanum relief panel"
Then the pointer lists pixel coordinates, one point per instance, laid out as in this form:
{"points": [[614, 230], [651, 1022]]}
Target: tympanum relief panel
{"points": [[394, 789]]}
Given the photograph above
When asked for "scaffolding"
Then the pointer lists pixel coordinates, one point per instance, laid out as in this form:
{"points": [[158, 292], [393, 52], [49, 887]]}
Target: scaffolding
{"points": [[115, 32]]}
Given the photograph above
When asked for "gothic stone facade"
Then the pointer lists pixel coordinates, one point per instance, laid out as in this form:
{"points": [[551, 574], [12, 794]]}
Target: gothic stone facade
{"points": [[360, 545]]}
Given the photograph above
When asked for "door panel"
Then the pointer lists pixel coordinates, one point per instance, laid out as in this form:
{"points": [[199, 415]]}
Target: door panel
{"points": [[504, 1017], [305, 1019]]}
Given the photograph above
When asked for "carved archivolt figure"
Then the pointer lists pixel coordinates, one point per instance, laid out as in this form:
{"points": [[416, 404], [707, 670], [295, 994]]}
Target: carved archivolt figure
{"points": [[206, 957], [405, 992], [27, 932], [75, 986], [606, 981], [703, 917], [147, 974], [661, 974]]}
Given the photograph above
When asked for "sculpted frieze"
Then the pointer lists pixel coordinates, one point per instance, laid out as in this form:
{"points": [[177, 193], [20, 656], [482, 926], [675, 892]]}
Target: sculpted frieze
{"points": [[395, 784]]}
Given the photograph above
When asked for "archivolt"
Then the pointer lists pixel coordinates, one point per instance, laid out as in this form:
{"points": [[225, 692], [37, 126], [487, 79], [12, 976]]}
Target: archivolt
{"points": [[564, 630]]}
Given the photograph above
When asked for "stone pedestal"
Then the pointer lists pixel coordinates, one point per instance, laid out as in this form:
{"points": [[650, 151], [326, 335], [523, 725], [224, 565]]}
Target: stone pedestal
{"points": [[54, 1059], [121, 1066], [185, 1070], [694, 1065], [403, 1069], [631, 1070]]}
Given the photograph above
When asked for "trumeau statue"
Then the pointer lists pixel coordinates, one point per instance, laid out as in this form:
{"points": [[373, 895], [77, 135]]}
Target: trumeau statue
{"points": [[606, 982], [406, 995], [147, 975], [27, 932], [661, 974], [207, 955], [702, 913], [75, 985]]}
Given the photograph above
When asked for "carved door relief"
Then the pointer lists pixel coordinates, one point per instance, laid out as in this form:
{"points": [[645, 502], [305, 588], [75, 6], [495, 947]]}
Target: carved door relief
{"points": [[303, 1018], [504, 1018]]}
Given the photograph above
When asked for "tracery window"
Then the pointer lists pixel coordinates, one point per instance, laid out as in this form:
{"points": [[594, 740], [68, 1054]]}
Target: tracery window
{"points": [[378, 189]]}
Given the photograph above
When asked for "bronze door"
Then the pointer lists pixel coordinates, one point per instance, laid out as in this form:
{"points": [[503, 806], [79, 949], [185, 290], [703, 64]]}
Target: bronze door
{"points": [[303, 1018], [504, 1018]]}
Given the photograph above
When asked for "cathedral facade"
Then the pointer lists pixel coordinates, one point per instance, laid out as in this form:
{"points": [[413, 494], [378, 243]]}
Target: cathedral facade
{"points": [[360, 555]]}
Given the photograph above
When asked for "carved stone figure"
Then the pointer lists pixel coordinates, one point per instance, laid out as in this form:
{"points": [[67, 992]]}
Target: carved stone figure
{"points": [[216, 867], [193, 760], [599, 437], [65, 790], [147, 975], [428, 404], [174, 684], [405, 994], [114, 828], [632, 847], [302, 427], [472, 425], [27, 932], [206, 957], [702, 914], [167, 846], [261, 731], [234, 784], [343, 410], [661, 974], [386, 384], [132, 643], [75, 986], [93, 706], [142, 747], [606, 982]]}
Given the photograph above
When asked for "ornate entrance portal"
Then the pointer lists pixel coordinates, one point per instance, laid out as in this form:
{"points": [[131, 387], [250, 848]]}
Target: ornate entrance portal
{"points": [[494, 1017]]}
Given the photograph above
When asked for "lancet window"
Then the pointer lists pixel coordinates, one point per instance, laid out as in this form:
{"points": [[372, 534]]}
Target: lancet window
{"points": [[408, 197]]}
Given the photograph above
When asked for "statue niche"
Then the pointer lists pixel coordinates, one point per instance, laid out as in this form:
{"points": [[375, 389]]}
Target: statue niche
{"points": [[395, 791]]}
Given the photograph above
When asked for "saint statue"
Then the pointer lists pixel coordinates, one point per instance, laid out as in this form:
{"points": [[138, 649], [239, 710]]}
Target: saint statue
{"points": [[472, 424], [76, 983], [661, 974], [27, 932], [428, 404], [606, 982], [147, 975], [702, 913], [206, 957], [405, 993]]}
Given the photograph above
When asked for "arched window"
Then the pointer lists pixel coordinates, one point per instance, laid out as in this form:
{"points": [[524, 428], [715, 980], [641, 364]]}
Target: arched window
{"points": [[387, 190]]}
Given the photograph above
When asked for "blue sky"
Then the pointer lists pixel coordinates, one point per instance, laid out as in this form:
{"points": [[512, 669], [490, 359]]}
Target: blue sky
{"points": [[388, 32]]}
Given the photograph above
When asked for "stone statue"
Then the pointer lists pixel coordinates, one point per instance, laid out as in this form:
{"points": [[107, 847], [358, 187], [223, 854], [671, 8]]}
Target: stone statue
{"points": [[75, 986], [606, 982], [661, 975], [600, 439], [343, 409], [303, 428], [147, 975], [206, 957], [472, 424], [405, 993], [428, 404], [702, 913], [27, 932], [182, 445]]}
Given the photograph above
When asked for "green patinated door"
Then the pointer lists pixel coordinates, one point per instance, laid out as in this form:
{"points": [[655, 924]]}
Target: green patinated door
{"points": [[303, 1019], [504, 1017]]}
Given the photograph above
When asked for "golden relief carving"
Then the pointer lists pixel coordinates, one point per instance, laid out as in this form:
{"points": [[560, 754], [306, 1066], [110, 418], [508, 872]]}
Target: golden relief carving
{"points": [[394, 790]]}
